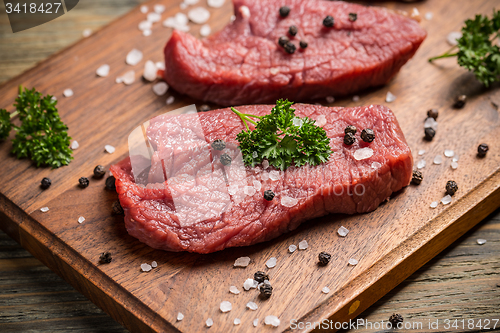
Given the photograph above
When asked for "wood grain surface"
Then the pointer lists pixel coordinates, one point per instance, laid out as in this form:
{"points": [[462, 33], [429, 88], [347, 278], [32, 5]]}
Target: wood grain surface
{"points": [[390, 243]]}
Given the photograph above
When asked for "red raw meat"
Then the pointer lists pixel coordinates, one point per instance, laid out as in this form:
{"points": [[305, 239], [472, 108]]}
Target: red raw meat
{"points": [[203, 206], [243, 63]]}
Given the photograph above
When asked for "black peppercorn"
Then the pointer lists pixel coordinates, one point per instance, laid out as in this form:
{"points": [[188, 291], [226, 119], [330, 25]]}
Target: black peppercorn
{"points": [[225, 159], [99, 171], [433, 113], [218, 144], [482, 149], [284, 11], [110, 183], [349, 139], [324, 258], [353, 17], [269, 195], [260, 276], [117, 208], [84, 182], [417, 177], [290, 47], [293, 30], [460, 102], [328, 21], [45, 183], [350, 129], [429, 134], [367, 135], [204, 108], [266, 290], [395, 319], [283, 40], [451, 187], [105, 258], [303, 44]]}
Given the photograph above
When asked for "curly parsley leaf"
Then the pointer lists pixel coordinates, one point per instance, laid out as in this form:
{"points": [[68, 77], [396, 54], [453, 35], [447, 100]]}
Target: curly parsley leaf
{"points": [[282, 139], [477, 51], [5, 124]]}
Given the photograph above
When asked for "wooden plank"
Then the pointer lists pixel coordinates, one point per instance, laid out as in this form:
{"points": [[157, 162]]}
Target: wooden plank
{"points": [[397, 239]]}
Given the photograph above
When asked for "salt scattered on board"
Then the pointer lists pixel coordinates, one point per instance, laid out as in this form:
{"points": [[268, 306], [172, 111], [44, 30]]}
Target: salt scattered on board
{"points": [[325, 290], [199, 15], [292, 248], [154, 264], [160, 65], [237, 321], [145, 25], [160, 88], [481, 241], [446, 199], [147, 32], [81, 219], [452, 37], [87, 32], [272, 321], [271, 262], [133, 57], [44, 209], [205, 30], [215, 3], [159, 8], [153, 17], [144, 9], [428, 16], [74, 145], [234, 290], [145, 267], [421, 164], [180, 316], [242, 262], [455, 158], [431, 123], [454, 165], [390, 97], [352, 262], [342, 231], [150, 71], [434, 204], [363, 153], [438, 159], [421, 152], [225, 306], [68, 92], [303, 245], [128, 78], [209, 322], [248, 284], [102, 71], [252, 306], [255, 322], [170, 100], [191, 2], [288, 201], [109, 149], [449, 153]]}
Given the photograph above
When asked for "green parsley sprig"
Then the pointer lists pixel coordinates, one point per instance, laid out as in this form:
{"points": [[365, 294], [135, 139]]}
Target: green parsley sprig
{"points": [[282, 138], [477, 51], [42, 136]]}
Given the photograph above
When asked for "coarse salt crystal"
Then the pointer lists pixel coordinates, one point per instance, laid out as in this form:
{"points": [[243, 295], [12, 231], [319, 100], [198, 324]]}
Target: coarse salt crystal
{"points": [[363, 153], [205, 30], [109, 149], [248, 284], [274, 70], [255, 154], [390, 97], [274, 175], [154, 264], [264, 176], [265, 163], [150, 71], [292, 248], [147, 32], [438, 159], [272, 321], [145, 267], [421, 164], [449, 153], [199, 15], [434, 204], [355, 98], [421, 152], [376, 165], [144, 25], [215, 3], [454, 165], [68, 93], [245, 11], [181, 18], [191, 2], [271, 262], [54, 98], [133, 57], [144, 9], [160, 65], [321, 120], [297, 122], [170, 100], [249, 190], [452, 37], [237, 321], [102, 71], [232, 189], [74, 145], [428, 16], [342, 231], [119, 79], [232, 18], [430, 123], [44, 209], [234, 290], [303, 245], [481, 241], [455, 158], [128, 78], [353, 262], [180, 316], [183, 5], [330, 99], [159, 8], [225, 306], [153, 17], [288, 201], [325, 290], [87, 32], [81, 219], [255, 322], [160, 88], [209, 322], [242, 262], [252, 306], [257, 185], [446, 199]]}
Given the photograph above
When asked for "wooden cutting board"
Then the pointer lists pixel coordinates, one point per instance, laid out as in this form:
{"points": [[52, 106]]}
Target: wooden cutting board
{"points": [[389, 244]]}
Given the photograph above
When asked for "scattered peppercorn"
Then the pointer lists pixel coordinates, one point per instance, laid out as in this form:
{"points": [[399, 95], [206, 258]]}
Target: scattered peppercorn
{"points": [[324, 258], [417, 177], [204, 108], [350, 129], [266, 290], [117, 208], [99, 171], [429, 134], [260, 276], [290, 47], [460, 102], [367, 135], [353, 17], [225, 159], [284, 11], [349, 139], [328, 21], [433, 113], [45, 183], [269, 195], [110, 183], [303, 44], [395, 319], [219, 144], [293, 30], [84, 182], [451, 187], [283, 40], [482, 149], [105, 258]]}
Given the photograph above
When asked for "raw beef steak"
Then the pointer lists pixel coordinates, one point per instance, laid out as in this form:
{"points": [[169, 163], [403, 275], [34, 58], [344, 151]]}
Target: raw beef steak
{"points": [[243, 63], [186, 200]]}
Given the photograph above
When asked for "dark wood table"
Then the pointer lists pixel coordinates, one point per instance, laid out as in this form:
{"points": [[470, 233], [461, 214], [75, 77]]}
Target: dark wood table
{"points": [[463, 282]]}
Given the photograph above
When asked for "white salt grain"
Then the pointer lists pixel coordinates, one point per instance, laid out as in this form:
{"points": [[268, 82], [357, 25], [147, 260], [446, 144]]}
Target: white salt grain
{"points": [[154, 264], [355, 98], [257, 185], [232, 18], [376, 165], [215, 3], [170, 100], [421, 152], [245, 11], [68, 93], [109, 149], [147, 32], [128, 78], [209, 322], [481, 241], [234, 290], [183, 5], [321, 120], [353, 262], [428, 16], [249, 190], [133, 57], [81, 219], [242, 262], [255, 322], [102, 71], [434, 204], [153, 17], [363, 153], [438, 159], [452, 37], [292, 248], [446, 199], [330, 99], [160, 88], [249, 283], [449, 153], [181, 18], [74, 145], [232, 189], [255, 154], [149, 71], [252, 306], [144, 9], [389, 98], [454, 165], [225, 306], [87, 32], [264, 176], [421, 164], [325, 290], [199, 15], [54, 98], [342, 231], [145, 267], [271, 262], [44, 209], [119, 79], [205, 30], [145, 25], [303, 245], [159, 8], [180, 316], [274, 175], [237, 321], [191, 2], [288, 201], [455, 158], [430, 123], [272, 321], [160, 65]]}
